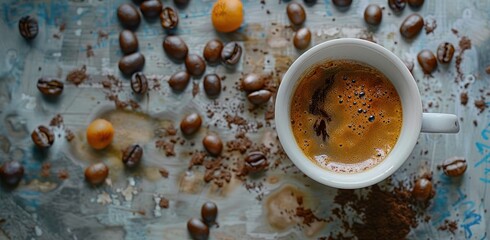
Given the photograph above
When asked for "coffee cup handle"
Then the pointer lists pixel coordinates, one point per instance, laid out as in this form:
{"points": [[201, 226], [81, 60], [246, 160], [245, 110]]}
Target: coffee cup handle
{"points": [[439, 123]]}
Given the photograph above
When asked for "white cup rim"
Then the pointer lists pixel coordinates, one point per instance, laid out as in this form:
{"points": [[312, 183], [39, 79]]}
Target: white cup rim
{"points": [[411, 107]]}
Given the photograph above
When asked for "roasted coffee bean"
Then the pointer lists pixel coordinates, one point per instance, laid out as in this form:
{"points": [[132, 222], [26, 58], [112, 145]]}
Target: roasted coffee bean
{"points": [[259, 97], [11, 173], [190, 123], [195, 65], [412, 25], [197, 229], [151, 9], [128, 16], [255, 162], [302, 38], [169, 18], [139, 83], [179, 81], [296, 13], [42, 136], [342, 3], [422, 191], [132, 63], [209, 212], [373, 14], [231, 53], [252, 82], [427, 61], [212, 51], [415, 3], [28, 27], [132, 155], [454, 167], [213, 144], [445, 52], [397, 5], [128, 42], [50, 87], [212, 85], [175, 47], [96, 173], [181, 3]]}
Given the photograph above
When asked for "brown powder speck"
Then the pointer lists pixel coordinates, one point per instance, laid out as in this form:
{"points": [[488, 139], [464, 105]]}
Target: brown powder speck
{"points": [[134, 105], [163, 172], [236, 120], [481, 105], [464, 44], [101, 36], [430, 25], [45, 169], [63, 174], [69, 135], [450, 226], [197, 159], [463, 97], [241, 143], [307, 215], [90, 51], [164, 203], [56, 121], [216, 172], [195, 89], [168, 147], [77, 76]]}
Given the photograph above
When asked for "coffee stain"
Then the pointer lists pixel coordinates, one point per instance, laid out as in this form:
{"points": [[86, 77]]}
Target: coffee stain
{"points": [[191, 182]]}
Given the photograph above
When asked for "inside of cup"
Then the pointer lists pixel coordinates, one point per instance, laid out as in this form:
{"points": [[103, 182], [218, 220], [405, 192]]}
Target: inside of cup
{"points": [[394, 69]]}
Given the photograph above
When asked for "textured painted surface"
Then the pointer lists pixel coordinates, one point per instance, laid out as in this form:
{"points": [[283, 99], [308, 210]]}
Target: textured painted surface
{"points": [[50, 208]]}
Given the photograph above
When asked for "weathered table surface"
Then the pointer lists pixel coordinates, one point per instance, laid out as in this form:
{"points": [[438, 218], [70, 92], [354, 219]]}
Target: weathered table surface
{"points": [[85, 33]]}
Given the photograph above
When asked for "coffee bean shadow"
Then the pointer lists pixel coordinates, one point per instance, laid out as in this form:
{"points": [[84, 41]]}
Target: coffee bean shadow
{"points": [[415, 9], [372, 28], [182, 4], [8, 187], [342, 9], [40, 154], [151, 20], [51, 99]]}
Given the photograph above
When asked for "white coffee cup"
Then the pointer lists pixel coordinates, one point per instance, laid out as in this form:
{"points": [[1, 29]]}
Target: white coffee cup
{"points": [[414, 121]]}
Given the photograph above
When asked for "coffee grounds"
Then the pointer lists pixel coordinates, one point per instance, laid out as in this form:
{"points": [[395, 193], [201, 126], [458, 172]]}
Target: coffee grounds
{"points": [[57, 121], [197, 159], [384, 214], [430, 25], [236, 120], [463, 98], [163, 172], [217, 172], [164, 203], [77, 76], [63, 174], [481, 105], [241, 143], [168, 147], [450, 226], [464, 44]]}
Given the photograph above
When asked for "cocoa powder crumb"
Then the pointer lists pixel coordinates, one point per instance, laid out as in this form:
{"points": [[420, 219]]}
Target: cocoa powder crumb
{"points": [[464, 44], [69, 135], [241, 143], [90, 51], [464, 98], [45, 169], [197, 159], [236, 120], [168, 147], [164, 203], [56, 121], [430, 25], [163, 172], [481, 105], [63, 174], [307, 215], [77, 76], [450, 226]]}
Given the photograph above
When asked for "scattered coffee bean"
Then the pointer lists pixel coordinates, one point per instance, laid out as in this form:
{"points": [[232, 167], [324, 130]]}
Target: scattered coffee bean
{"points": [[412, 25], [175, 47], [128, 16], [487, 70], [96, 173], [50, 87], [195, 65], [212, 85], [181, 3], [11, 173], [179, 81], [342, 3], [132, 63], [212, 51], [231, 53], [213, 144], [296, 13], [132, 155], [259, 97], [151, 9], [422, 191], [454, 167], [252, 82], [302, 38], [209, 212], [254, 162], [190, 123], [28, 27], [197, 229], [169, 18], [128, 42], [42, 136], [445, 52], [427, 61], [373, 14], [397, 5], [139, 83], [415, 3]]}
